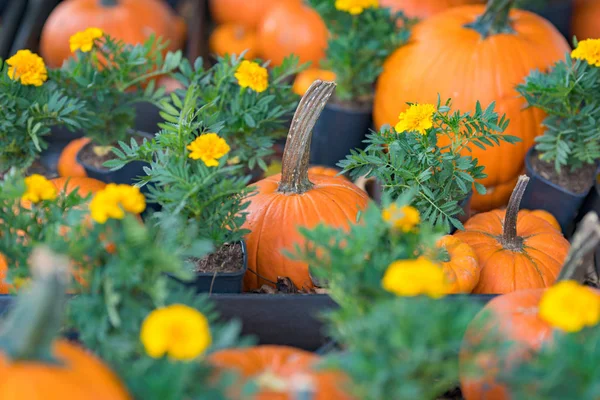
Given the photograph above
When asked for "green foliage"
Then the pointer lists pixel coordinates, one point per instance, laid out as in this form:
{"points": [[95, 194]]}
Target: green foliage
{"points": [[26, 115], [570, 94], [251, 121], [441, 175], [358, 46], [109, 79]]}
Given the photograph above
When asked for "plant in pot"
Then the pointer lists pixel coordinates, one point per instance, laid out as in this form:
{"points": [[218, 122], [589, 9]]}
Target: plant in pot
{"points": [[563, 163], [361, 38], [428, 151], [110, 76]]}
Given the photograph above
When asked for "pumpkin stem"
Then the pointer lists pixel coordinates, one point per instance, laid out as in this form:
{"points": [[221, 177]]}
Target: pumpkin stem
{"points": [[510, 240], [31, 327], [109, 3], [585, 240], [495, 19], [294, 166]]}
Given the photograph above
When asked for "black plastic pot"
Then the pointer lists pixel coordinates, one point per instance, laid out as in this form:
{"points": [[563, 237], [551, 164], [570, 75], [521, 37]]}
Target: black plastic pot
{"points": [[591, 203], [541, 194], [559, 13], [57, 140], [338, 131], [465, 204], [147, 117]]}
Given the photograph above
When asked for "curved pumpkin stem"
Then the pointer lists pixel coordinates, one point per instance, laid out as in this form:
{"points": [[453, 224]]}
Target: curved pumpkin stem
{"points": [[495, 19], [35, 320], [585, 240], [510, 240], [294, 166]]}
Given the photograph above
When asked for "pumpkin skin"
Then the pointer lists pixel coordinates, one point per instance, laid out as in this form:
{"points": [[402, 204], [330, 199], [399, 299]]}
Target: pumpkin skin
{"points": [[84, 186], [445, 57], [5, 288], [305, 78], [423, 8], [67, 162], [585, 23], [242, 12], [463, 268], [233, 39], [546, 216], [132, 21], [292, 28], [327, 171], [280, 362]]}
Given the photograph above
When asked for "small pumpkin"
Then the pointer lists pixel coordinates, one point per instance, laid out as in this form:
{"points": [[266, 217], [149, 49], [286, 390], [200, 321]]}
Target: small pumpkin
{"points": [[423, 8], [305, 78], [322, 170], [67, 162], [516, 250], [284, 202], [275, 369], [169, 83], [242, 12], [84, 186], [546, 216], [233, 39], [461, 265], [585, 22]]}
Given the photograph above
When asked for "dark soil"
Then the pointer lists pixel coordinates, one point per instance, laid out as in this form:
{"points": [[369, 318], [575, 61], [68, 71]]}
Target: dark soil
{"points": [[227, 259], [579, 181], [38, 168], [90, 158]]}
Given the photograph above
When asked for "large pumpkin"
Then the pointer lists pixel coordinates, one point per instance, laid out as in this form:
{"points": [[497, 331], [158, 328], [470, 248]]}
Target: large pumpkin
{"points": [[296, 198], [473, 53], [233, 39], [277, 370], [292, 28], [461, 265], [516, 250], [67, 162], [423, 8], [242, 12], [132, 21], [586, 19]]}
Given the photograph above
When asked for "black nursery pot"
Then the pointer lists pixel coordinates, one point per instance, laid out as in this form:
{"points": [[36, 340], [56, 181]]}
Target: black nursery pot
{"points": [[57, 140], [541, 194], [559, 13], [147, 117], [592, 202], [338, 130], [465, 204]]}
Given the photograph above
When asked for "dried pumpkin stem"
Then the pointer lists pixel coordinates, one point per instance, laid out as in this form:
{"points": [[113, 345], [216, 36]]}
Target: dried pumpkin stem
{"points": [[495, 19], [510, 240], [294, 166], [585, 240]]}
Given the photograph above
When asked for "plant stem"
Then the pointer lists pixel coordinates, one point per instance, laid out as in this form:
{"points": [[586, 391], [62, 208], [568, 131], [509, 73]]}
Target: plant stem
{"points": [[109, 3], [495, 19], [585, 240], [510, 240], [294, 166]]}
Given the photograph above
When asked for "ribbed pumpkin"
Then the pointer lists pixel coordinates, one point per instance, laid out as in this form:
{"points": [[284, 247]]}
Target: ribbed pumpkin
{"points": [[461, 266], [586, 19], [292, 28], [67, 162], [295, 198], [132, 21], [516, 250], [276, 371], [546, 216], [233, 39], [423, 8], [242, 12], [472, 53], [321, 170], [305, 78]]}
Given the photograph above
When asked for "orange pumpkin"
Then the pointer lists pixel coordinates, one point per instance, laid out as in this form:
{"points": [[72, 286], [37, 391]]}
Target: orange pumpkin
{"points": [[292, 28], [461, 266], [276, 369], [169, 83], [327, 171], [233, 39], [423, 8], [5, 288], [516, 250], [447, 56], [586, 19], [132, 21], [67, 162], [242, 12], [84, 186], [294, 199], [305, 78], [546, 216]]}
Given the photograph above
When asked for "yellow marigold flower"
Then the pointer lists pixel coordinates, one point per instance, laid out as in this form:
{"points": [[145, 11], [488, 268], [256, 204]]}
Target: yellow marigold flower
{"points": [[208, 148], [179, 331], [418, 118], [415, 277], [355, 7], [250, 74], [84, 40], [27, 67], [570, 306], [39, 188], [114, 200], [404, 218], [588, 50]]}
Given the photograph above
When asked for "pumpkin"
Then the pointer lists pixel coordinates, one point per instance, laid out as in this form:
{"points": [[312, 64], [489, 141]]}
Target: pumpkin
{"points": [[292, 28], [423, 8], [5, 288], [84, 186], [460, 55], [233, 39], [169, 83], [516, 250], [461, 265], [242, 12], [275, 369], [305, 78], [322, 170], [67, 162], [546, 216], [284, 202], [585, 23], [132, 21]]}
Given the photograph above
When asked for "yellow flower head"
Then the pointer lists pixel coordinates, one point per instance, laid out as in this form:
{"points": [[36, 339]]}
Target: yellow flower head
{"points": [[114, 200], [355, 7], [179, 331], [404, 218], [415, 277], [208, 148], [39, 188], [588, 50], [27, 67], [84, 40], [418, 118], [570, 306], [250, 74]]}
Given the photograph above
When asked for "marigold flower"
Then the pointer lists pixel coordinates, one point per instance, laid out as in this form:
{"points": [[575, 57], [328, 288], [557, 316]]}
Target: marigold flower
{"points": [[114, 200], [84, 40], [588, 50], [39, 188], [415, 277], [209, 148], [404, 218], [250, 74], [418, 118], [28, 68], [179, 331], [570, 306], [355, 7]]}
